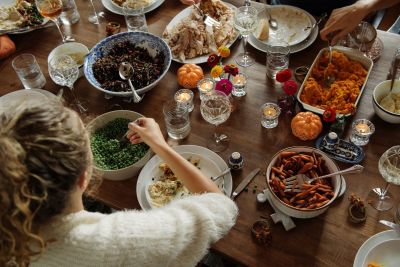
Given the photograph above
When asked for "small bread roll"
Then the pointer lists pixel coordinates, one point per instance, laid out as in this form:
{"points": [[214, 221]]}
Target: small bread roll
{"points": [[262, 31]]}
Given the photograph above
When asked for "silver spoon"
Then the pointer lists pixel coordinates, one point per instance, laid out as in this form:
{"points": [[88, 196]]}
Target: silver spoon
{"points": [[126, 72], [273, 24]]}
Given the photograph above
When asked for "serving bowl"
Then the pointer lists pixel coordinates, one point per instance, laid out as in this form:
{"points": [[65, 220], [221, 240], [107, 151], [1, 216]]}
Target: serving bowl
{"points": [[385, 253], [131, 170], [153, 44], [352, 54], [303, 213], [380, 91], [75, 50]]}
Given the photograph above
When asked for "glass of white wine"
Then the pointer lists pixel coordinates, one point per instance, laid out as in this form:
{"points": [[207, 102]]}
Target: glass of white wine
{"points": [[245, 22], [389, 167], [51, 9], [215, 108], [64, 71]]}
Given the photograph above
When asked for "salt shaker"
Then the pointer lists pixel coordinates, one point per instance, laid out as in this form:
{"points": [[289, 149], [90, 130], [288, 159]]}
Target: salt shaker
{"points": [[331, 140], [235, 161], [70, 14]]}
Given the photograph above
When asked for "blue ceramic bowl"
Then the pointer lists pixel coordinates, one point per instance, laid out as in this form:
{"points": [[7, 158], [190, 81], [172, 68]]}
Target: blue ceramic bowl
{"points": [[152, 43]]}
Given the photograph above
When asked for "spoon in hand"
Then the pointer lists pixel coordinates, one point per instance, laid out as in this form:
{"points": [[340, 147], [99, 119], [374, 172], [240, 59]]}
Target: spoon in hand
{"points": [[126, 72]]}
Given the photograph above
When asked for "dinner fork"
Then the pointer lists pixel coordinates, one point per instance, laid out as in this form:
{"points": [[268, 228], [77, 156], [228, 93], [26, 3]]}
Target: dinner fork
{"points": [[214, 178], [294, 183], [207, 19]]}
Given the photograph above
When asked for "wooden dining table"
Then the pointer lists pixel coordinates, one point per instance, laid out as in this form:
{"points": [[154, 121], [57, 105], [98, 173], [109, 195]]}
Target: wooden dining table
{"points": [[327, 240]]}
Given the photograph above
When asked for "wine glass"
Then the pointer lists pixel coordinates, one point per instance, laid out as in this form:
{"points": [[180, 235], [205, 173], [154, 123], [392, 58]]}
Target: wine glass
{"points": [[389, 168], [64, 71], [96, 16], [215, 109], [245, 22], [51, 9]]}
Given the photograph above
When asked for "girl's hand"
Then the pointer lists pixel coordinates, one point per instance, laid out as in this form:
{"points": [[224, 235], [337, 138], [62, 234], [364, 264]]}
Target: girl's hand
{"points": [[146, 130]]}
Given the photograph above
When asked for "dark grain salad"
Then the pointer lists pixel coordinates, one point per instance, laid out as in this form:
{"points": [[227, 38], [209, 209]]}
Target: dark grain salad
{"points": [[147, 69]]}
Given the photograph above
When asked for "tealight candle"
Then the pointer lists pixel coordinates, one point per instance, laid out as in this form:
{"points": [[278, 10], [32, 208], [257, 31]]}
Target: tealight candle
{"points": [[239, 83], [362, 130], [185, 97], [205, 86], [270, 113]]}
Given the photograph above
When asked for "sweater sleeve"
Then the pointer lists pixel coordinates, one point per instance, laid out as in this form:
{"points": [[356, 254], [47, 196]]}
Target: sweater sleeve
{"points": [[178, 234]]}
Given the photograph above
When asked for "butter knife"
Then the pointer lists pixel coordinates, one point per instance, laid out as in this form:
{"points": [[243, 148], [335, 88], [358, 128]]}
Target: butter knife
{"points": [[244, 183], [394, 226]]}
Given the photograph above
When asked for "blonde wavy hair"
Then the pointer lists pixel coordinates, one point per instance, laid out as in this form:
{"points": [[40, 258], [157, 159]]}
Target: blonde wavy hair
{"points": [[43, 150]]}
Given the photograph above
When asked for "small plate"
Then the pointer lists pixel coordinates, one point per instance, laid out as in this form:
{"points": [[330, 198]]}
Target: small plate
{"points": [[118, 10], [344, 151]]}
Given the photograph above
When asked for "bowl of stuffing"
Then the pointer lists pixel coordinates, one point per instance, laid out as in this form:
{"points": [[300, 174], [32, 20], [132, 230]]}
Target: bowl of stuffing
{"points": [[387, 103], [114, 157], [148, 54]]}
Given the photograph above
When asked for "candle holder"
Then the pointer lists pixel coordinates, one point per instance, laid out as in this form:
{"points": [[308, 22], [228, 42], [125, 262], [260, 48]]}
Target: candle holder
{"points": [[269, 115], [362, 130], [112, 28], [239, 83], [185, 97], [205, 86]]}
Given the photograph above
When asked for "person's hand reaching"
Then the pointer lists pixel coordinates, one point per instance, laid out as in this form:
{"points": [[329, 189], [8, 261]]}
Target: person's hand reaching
{"points": [[146, 130]]}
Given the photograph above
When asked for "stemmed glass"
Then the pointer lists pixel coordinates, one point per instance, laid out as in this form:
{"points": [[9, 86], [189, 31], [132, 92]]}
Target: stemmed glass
{"points": [[64, 71], [215, 109], [51, 9], [389, 168], [95, 17], [245, 23]]}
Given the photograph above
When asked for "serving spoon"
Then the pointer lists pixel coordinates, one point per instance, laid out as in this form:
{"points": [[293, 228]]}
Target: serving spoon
{"points": [[126, 72], [273, 24]]}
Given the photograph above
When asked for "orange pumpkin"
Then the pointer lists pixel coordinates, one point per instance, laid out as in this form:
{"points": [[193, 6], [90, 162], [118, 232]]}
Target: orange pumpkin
{"points": [[7, 47], [189, 75], [306, 125]]}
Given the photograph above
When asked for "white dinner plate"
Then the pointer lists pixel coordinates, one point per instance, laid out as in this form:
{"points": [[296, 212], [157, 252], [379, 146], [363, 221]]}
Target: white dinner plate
{"points": [[263, 46], [366, 251], [118, 10], [180, 16], [7, 3], [15, 98], [211, 164]]}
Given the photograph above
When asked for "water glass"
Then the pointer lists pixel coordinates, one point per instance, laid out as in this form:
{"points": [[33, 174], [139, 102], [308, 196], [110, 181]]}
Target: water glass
{"points": [[239, 83], [28, 71], [185, 97], [269, 115], [277, 60], [135, 19], [205, 87], [176, 118], [362, 130]]}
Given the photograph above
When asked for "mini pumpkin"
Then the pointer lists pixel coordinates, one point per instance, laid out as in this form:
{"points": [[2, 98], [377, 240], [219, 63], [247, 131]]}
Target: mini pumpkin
{"points": [[7, 46], [306, 125], [189, 75]]}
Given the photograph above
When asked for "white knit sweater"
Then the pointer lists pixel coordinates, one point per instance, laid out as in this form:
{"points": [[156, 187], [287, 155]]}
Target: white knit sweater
{"points": [[178, 234]]}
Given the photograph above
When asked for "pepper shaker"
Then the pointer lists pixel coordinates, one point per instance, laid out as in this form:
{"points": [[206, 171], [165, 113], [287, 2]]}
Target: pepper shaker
{"points": [[235, 161], [331, 140]]}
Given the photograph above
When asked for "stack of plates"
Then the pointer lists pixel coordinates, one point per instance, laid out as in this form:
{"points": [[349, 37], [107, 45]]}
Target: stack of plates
{"points": [[294, 29]]}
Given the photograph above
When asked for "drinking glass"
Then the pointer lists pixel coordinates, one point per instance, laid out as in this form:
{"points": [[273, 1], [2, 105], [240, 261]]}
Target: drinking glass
{"points": [[277, 60], [245, 22], [362, 129], [95, 17], [64, 71], [389, 168], [215, 109], [176, 118], [51, 9], [135, 19], [28, 71]]}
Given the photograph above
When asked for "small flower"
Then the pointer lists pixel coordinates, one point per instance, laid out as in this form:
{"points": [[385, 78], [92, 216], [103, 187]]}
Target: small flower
{"points": [[224, 51], [283, 75], [216, 71], [290, 87], [225, 86], [213, 60], [231, 69], [329, 115]]}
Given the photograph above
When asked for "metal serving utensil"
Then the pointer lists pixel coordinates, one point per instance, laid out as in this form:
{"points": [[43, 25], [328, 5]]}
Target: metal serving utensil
{"points": [[208, 20], [294, 183], [126, 72], [273, 24], [327, 78], [221, 175]]}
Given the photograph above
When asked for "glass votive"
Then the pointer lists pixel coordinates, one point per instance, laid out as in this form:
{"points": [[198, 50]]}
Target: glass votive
{"points": [[362, 130], [239, 83], [205, 86], [112, 28], [185, 97], [269, 115]]}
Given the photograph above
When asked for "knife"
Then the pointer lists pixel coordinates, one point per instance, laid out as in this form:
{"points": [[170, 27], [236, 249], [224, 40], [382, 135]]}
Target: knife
{"points": [[244, 183], [394, 226]]}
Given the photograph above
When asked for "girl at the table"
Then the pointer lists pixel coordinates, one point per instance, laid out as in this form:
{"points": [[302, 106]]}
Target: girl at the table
{"points": [[46, 167]]}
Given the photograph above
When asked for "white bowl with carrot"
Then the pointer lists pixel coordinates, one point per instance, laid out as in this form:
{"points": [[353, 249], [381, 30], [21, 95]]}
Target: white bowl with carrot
{"points": [[315, 198]]}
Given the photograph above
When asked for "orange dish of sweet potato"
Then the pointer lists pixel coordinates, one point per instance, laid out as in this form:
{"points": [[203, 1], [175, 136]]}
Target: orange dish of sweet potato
{"points": [[349, 77]]}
